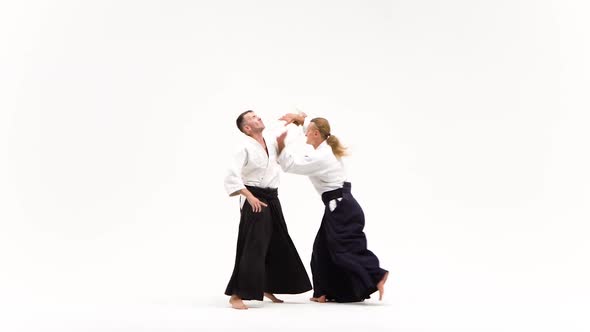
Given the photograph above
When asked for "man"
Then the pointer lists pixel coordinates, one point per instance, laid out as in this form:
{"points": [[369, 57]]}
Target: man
{"points": [[266, 259], [342, 267]]}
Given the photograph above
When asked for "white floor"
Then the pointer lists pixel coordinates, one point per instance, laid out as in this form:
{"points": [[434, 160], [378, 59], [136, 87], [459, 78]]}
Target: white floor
{"points": [[180, 315], [400, 311]]}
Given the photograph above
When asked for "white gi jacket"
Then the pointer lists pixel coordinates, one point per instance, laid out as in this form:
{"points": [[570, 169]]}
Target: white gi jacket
{"points": [[250, 165], [325, 171]]}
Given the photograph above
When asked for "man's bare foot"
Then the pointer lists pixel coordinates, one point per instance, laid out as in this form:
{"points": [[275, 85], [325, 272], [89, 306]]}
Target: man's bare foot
{"points": [[381, 285], [321, 299], [237, 303], [273, 298]]}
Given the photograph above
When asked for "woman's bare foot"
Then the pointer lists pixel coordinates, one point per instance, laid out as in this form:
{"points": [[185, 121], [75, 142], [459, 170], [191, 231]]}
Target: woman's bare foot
{"points": [[273, 298], [381, 285], [321, 299], [237, 303]]}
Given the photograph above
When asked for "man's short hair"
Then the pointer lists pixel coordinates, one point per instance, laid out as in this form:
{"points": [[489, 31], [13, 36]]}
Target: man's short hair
{"points": [[240, 120]]}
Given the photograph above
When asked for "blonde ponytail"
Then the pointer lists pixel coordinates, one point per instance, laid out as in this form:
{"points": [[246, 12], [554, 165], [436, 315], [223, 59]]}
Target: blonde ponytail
{"points": [[324, 127], [337, 148]]}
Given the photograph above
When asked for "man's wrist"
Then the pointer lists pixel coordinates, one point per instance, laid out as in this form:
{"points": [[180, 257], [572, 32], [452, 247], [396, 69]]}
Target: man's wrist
{"points": [[246, 193]]}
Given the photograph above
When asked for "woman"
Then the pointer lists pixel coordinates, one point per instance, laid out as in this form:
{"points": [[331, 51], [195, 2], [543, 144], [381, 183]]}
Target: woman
{"points": [[343, 269]]}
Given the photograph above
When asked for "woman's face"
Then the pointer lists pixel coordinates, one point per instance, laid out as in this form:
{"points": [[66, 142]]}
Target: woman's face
{"points": [[312, 134]]}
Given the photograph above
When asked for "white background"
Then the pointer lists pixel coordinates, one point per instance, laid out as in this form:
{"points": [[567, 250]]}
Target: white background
{"points": [[467, 123]]}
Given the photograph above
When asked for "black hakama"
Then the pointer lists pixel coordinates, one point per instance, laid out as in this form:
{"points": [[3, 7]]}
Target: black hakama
{"points": [[343, 269], [266, 258]]}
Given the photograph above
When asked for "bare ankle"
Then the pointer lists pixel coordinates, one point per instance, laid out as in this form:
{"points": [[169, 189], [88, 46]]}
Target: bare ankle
{"points": [[236, 302], [273, 298], [319, 299]]}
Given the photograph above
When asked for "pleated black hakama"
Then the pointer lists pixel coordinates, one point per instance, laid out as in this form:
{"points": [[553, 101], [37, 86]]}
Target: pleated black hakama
{"points": [[266, 258]]}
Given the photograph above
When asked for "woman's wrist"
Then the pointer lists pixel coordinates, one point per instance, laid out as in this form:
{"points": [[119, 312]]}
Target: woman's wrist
{"points": [[300, 119]]}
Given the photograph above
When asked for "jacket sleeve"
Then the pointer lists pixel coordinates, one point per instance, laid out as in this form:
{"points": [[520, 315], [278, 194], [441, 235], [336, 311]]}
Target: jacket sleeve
{"points": [[233, 177], [301, 160]]}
